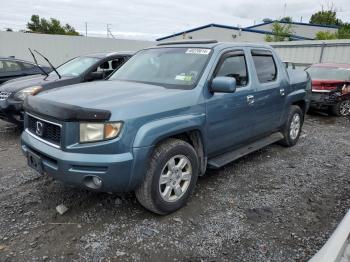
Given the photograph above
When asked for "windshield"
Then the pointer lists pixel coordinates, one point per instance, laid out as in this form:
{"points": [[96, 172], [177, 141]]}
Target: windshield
{"points": [[168, 67], [75, 66], [329, 73]]}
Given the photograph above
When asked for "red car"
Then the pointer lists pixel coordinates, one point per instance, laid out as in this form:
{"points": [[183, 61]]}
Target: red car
{"points": [[331, 87]]}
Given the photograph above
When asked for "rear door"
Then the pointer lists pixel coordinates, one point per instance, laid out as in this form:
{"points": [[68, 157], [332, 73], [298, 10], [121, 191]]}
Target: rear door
{"points": [[270, 91]]}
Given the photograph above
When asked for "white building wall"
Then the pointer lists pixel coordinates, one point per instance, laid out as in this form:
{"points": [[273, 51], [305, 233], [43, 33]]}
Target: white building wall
{"points": [[59, 48], [329, 51], [299, 30], [221, 35]]}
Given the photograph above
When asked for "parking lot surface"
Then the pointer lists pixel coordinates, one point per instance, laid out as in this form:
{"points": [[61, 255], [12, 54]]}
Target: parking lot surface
{"points": [[277, 204]]}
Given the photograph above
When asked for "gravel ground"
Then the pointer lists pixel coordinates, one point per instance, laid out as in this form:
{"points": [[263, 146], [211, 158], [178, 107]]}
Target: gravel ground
{"points": [[277, 204]]}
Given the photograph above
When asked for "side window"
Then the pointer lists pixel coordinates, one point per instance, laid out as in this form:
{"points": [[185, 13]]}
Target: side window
{"points": [[265, 66], [105, 66], [108, 67], [11, 66], [234, 66], [2, 67], [28, 66]]}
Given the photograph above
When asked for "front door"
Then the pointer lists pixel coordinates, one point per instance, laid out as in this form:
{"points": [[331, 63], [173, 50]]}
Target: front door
{"points": [[230, 115]]}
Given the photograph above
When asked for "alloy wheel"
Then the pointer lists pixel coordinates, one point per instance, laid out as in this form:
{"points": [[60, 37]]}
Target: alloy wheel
{"points": [[175, 178]]}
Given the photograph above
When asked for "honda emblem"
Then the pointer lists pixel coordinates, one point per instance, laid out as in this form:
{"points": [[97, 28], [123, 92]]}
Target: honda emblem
{"points": [[39, 128]]}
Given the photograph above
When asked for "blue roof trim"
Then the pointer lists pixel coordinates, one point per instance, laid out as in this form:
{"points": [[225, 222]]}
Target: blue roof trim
{"points": [[294, 23], [229, 27], [270, 33], [198, 28]]}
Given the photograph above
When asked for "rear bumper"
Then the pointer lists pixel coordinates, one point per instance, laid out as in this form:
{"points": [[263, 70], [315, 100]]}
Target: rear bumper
{"points": [[11, 111], [320, 99], [118, 172]]}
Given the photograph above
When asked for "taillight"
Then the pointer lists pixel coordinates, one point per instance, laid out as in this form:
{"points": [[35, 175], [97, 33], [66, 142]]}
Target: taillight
{"points": [[324, 87]]}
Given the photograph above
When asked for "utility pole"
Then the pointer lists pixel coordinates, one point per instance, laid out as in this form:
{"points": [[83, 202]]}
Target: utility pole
{"points": [[85, 28], [108, 30], [284, 9]]}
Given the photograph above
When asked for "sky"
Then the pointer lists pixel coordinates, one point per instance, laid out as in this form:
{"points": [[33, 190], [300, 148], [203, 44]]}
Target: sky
{"points": [[150, 19]]}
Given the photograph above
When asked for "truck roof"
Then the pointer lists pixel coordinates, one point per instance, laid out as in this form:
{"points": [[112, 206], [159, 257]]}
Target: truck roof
{"points": [[107, 54], [210, 44]]}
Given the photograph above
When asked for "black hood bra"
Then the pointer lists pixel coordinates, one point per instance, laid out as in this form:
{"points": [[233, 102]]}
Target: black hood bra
{"points": [[64, 112]]}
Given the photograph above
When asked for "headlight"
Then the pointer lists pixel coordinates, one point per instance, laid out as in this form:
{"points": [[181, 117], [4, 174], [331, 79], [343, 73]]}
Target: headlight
{"points": [[33, 90], [93, 132]]}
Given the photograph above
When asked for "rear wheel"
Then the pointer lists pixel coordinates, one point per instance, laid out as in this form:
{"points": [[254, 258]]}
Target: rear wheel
{"points": [[341, 109], [292, 129], [170, 178]]}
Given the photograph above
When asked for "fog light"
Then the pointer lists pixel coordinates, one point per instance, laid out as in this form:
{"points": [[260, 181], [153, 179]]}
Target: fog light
{"points": [[97, 181]]}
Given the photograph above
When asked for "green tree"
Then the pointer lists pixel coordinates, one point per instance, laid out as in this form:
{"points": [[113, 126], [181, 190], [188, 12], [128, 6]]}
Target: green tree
{"points": [[286, 19], [344, 31], [52, 26], [280, 33], [267, 20], [325, 35], [328, 17]]}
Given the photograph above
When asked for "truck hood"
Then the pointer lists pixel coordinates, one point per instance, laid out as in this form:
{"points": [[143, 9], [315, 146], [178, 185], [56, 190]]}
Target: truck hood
{"points": [[18, 84], [120, 98]]}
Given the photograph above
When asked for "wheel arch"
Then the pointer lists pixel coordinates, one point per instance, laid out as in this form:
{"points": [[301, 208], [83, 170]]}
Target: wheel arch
{"points": [[189, 128]]}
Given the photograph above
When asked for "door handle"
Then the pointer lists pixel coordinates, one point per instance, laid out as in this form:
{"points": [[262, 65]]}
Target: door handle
{"points": [[250, 99], [282, 92]]}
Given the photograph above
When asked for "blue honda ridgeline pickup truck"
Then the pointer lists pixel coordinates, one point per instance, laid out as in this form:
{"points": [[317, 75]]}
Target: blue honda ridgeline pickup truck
{"points": [[165, 116]]}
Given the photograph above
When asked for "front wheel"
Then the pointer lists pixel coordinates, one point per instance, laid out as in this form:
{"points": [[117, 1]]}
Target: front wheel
{"points": [[170, 178], [292, 129], [342, 108]]}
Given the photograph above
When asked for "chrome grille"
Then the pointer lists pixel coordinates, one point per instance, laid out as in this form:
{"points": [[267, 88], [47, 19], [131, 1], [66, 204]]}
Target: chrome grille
{"points": [[4, 95], [44, 130]]}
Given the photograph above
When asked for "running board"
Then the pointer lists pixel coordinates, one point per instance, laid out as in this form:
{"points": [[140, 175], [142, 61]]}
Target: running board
{"points": [[226, 158]]}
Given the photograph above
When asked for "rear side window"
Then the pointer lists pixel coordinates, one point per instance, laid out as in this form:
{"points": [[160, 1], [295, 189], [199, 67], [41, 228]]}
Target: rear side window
{"points": [[12, 66], [2, 67], [28, 66], [234, 66], [265, 66]]}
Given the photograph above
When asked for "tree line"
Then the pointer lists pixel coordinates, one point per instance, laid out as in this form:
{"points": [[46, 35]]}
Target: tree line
{"points": [[284, 31]]}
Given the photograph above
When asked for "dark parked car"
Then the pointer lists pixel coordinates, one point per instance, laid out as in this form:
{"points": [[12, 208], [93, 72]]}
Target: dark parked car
{"points": [[163, 117], [11, 68], [331, 87], [77, 70]]}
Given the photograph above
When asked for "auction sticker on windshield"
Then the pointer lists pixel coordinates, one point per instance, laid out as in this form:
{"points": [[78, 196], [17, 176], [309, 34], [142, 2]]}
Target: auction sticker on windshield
{"points": [[198, 51]]}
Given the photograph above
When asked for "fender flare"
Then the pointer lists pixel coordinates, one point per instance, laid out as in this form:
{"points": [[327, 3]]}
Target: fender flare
{"points": [[153, 132], [293, 97]]}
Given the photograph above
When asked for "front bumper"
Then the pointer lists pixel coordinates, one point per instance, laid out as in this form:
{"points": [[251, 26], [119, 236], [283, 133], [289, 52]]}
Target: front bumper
{"points": [[11, 111], [118, 172]]}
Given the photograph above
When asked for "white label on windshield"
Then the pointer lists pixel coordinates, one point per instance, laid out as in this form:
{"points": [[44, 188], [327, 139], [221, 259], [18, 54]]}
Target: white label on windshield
{"points": [[198, 51]]}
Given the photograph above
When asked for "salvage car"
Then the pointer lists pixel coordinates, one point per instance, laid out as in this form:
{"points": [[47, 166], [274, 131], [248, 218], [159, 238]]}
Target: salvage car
{"points": [[331, 87], [11, 68], [85, 68], [166, 115]]}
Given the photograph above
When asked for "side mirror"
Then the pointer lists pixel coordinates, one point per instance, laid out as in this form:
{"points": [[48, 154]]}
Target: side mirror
{"points": [[223, 84], [94, 76]]}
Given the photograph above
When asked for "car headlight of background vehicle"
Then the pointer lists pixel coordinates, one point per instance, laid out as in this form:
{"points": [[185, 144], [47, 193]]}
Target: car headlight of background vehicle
{"points": [[93, 132], [33, 90]]}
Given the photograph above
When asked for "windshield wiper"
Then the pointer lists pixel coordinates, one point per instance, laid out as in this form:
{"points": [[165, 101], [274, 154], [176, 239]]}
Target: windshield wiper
{"points": [[47, 60], [36, 62]]}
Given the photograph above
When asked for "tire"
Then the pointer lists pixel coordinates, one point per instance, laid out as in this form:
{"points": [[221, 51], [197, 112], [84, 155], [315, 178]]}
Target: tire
{"points": [[152, 193], [290, 130], [341, 109]]}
